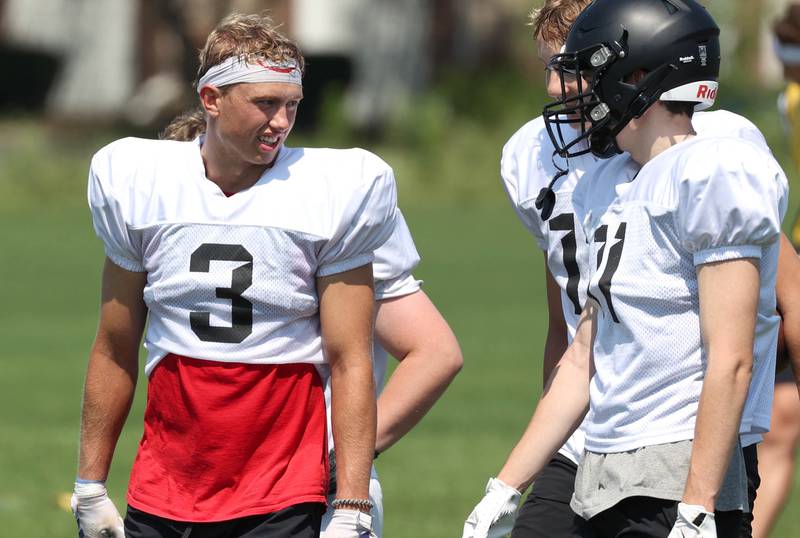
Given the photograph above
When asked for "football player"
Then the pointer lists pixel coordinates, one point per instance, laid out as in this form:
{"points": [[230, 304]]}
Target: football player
{"points": [[407, 323], [249, 262], [500, 500], [778, 452], [529, 164]]}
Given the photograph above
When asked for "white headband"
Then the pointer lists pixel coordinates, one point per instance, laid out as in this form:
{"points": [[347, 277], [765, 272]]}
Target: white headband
{"points": [[237, 69]]}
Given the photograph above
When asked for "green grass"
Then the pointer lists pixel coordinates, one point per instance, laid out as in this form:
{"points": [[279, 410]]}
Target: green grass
{"points": [[480, 267], [50, 276]]}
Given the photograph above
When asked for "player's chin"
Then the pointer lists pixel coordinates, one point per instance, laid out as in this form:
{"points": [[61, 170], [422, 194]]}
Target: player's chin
{"points": [[266, 156]]}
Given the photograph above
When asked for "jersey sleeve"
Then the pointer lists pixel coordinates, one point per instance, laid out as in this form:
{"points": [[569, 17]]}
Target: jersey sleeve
{"points": [[108, 216], [519, 163], [366, 223], [394, 262], [730, 203], [405, 284]]}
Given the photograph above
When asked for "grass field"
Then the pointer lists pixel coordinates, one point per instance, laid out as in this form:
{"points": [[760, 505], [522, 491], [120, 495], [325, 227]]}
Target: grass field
{"points": [[480, 267]]}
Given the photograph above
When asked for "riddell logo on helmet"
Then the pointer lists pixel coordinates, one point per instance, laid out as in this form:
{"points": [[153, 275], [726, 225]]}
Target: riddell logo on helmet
{"points": [[704, 92]]}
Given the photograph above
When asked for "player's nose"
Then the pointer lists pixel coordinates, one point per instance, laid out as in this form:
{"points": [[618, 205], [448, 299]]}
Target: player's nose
{"points": [[280, 120], [553, 85]]}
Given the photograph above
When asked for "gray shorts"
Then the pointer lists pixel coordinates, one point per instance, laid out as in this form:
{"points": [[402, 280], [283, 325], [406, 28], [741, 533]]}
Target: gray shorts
{"points": [[658, 471]]}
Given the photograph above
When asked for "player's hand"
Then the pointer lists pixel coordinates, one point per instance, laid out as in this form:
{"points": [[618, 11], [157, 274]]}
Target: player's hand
{"points": [[495, 515], [349, 524], [96, 515], [693, 522]]}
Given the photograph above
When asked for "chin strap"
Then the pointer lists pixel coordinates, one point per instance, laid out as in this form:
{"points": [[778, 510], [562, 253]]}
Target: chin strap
{"points": [[546, 200], [604, 144]]}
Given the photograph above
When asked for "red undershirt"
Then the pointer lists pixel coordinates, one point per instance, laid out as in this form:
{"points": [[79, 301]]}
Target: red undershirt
{"points": [[228, 440]]}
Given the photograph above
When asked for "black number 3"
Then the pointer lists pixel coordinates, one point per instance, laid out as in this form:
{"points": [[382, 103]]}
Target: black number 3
{"points": [[241, 279]]}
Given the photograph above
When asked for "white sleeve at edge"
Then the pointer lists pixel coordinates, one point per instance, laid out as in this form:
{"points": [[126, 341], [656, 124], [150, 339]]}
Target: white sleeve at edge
{"points": [[108, 219]]}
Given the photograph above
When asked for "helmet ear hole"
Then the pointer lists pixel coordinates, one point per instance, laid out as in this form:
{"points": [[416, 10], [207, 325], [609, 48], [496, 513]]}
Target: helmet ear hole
{"points": [[635, 77]]}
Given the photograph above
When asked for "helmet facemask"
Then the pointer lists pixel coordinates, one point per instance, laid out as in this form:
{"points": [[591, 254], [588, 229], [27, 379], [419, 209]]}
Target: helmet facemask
{"points": [[574, 110], [594, 67]]}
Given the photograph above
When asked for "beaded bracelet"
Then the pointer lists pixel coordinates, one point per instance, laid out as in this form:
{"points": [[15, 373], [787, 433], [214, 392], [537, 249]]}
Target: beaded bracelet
{"points": [[366, 504]]}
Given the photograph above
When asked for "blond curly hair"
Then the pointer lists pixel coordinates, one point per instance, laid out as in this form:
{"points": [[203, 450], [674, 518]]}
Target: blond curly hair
{"points": [[552, 21], [253, 36]]}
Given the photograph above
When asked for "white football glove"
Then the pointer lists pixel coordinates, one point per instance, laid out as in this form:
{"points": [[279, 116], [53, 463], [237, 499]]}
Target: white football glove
{"points": [[495, 515], [96, 515], [349, 524], [693, 522]]}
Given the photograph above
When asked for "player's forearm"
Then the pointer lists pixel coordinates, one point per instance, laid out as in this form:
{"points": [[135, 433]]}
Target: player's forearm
{"points": [[559, 412], [353, 418], [791, 335], [788, 302], [415, 385], [556, 342], [728, 296], [346, 313], [554, 347], [717, 427], [107, 398]]}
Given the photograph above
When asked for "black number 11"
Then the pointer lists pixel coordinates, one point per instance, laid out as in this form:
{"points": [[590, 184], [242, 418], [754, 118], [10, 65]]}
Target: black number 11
{"points": [[566, 223], [614, 257]]}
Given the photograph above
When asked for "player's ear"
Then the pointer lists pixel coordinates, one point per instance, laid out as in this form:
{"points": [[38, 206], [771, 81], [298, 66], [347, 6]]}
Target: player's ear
{"points": [[210, 100]]}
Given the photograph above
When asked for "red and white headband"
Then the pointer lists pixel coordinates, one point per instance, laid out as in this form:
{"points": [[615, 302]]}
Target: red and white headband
{"points": [[238, 69]]}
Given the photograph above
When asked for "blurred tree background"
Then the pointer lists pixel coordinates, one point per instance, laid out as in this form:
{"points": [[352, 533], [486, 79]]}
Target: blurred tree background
{"points": [[434, 87]]}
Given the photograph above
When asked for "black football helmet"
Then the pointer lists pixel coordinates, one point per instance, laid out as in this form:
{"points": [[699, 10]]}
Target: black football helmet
{"points": [[625, 55]]}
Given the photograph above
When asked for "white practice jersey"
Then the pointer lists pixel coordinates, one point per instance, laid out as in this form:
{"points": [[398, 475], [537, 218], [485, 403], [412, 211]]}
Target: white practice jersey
{"points": [[527, 167], [700, 201], [233, 279], [392, 269]]}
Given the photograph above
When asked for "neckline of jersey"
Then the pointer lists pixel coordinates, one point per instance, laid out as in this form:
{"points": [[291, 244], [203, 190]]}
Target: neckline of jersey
{"points": [[216, 189]]}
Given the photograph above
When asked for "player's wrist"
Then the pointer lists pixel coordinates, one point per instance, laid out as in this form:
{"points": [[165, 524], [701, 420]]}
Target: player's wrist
{"points": [[360, 504], [81, 480], [89, 488], [504, 480], [705, 501]]}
